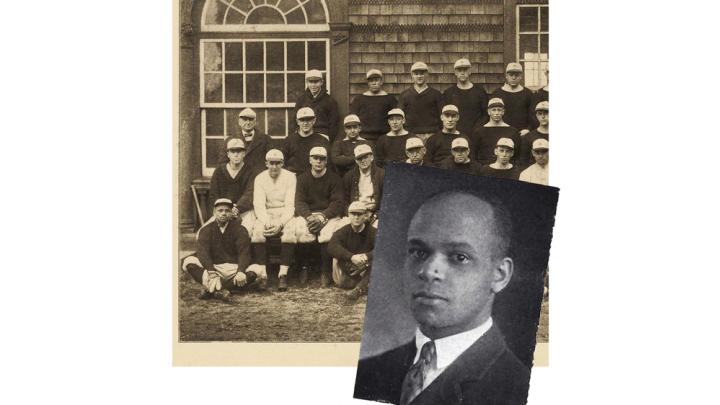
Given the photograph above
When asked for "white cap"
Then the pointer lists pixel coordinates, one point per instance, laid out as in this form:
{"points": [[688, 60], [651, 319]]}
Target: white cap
{"points": [[221, 201], [419, 66], [247, 113], [274, 155], [362, 150], [396, 111], [460, 142], [540, 143], [496, 102], [462, 62], [357, 206], [234, 143], [305, 112], [506, 142], [450, 108], [513, 67], [351, 119], [318, 151], [313, 74], [413, 143], [373, 73], [543, 105]]}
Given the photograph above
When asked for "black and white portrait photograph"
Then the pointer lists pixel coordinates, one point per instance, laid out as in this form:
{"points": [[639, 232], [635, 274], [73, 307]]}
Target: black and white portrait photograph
{"points": [[456, 290]]}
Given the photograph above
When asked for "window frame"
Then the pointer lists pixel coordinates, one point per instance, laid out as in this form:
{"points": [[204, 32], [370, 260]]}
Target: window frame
{"points": [[260, 28], [538, 34]]}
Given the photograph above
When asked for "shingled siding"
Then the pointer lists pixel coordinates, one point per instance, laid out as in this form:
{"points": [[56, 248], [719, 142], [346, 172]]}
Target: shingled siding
{"points": [[392, 35]]}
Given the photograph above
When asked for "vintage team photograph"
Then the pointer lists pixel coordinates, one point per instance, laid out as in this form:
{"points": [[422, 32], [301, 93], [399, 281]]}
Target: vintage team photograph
{"points": [[289, 114]]}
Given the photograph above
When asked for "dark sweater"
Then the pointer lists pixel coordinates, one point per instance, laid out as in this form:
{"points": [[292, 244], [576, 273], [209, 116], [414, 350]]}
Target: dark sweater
{"points": [[422, 111], [239, 190], [438, 147], [517, 107], [512, 173], [471, 167], [232, 246], [390, 149], [484, 139], [472, 104], [525, 158], [327, 118], [296, 149], [342, 154], [372, 111], [538, 96], [345, 243], [324, 194]]}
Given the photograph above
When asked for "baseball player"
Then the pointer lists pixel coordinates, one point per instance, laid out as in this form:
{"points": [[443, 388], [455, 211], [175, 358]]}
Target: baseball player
{"points": [[541, 95], [415, 151], [517, 99], [351, 248], [502, 167], [256, 143], [422, 104], [222, 260], [298, 144], [319, 205], [484, 139], [438, 145], [470, 99], [234, 180], [364, 183], [342, 155], [321, 102], [538, 172], [390, 147], [460, 159], [372, 106], [542, 113]]}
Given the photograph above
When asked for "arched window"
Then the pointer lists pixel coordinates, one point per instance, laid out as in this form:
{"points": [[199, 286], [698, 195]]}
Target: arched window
{"points": [[251, 65]]}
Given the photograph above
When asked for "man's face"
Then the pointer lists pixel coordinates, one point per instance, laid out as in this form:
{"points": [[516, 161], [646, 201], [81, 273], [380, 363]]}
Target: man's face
{"points": [[449, 120], [460, 155], [352, 131], [375, 84], [451, 273], [504, 154], [513, 78], [222, 213], [314, 85], [246, 124], [416, 155], [274, 168], [364, 161], [541, 156], [496, 113], [419, 77], [462, 74], [236, 156], [318, 163], [306, 124], [357, 218], [396, 122], [543, 117]]}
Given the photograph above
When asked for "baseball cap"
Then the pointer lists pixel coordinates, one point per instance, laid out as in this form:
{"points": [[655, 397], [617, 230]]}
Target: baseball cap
{"points": [[506, 142], [460, 142], [351, 119], [396, 111], [362, 150], [357, 206], [540, 143], [274, 155], [247, 113], [318, 151], [223, 201], [234, 143], [419, 66], [305, 112], [462, 62], [513, 67], [373, 73], [313, 74], [543, 105], [496, 102], [450, 108], [413, 143]]}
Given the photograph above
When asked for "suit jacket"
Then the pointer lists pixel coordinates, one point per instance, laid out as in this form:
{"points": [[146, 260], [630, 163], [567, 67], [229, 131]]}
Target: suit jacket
{"points": [[486, 373]]}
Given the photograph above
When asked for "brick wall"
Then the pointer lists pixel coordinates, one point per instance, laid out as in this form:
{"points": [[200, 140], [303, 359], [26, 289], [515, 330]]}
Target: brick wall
{"points": [[392, 35]]}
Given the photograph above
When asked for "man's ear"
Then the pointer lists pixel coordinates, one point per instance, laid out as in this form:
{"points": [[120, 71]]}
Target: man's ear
{"points": [[502, 273]]}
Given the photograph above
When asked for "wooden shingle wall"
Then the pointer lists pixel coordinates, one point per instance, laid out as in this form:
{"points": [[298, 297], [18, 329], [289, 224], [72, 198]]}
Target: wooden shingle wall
{"points": [[391, 35]]}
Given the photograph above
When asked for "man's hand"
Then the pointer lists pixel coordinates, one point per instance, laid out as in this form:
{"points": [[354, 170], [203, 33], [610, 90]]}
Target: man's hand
{"points": [[235, 211], [212, 281], [316, 222], [359, 260], [272, 230], [240, 279]]}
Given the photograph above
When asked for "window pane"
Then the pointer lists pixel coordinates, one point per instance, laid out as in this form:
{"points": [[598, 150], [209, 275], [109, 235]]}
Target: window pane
{"points": [[255, 84], [213, 56], [275, 55], [532, 74], [528, 46], [265, 15], [296, 56], [275, 88], [528, 19], [316, 55], [214, 12], [315, 11], [544, 46], [276, 122], [543, 76], [295, 87], [254, 56], [233, 56], [544, 18], [286, 5], [234, 17], [213, 88], [213, 152], [234, 88], [214, 122], [296, 17]]}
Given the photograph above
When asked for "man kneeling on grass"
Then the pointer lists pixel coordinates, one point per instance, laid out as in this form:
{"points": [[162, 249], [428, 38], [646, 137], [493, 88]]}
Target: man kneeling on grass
{"points": [[223, 257], [351, 248]]}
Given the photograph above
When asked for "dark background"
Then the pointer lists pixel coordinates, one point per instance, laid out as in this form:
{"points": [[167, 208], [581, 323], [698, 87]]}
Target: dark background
{"points": [[388, 322]]}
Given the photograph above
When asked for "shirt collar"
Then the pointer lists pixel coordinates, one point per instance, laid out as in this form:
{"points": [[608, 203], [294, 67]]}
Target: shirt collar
{"points": [[451, 347]]}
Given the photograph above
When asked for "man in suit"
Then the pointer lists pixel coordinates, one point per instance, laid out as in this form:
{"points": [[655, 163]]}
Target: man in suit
{"points": [[456, 262], [257, 144]]}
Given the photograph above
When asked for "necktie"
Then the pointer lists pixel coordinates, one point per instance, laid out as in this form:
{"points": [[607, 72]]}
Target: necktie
{"points": [[413, 382]]}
